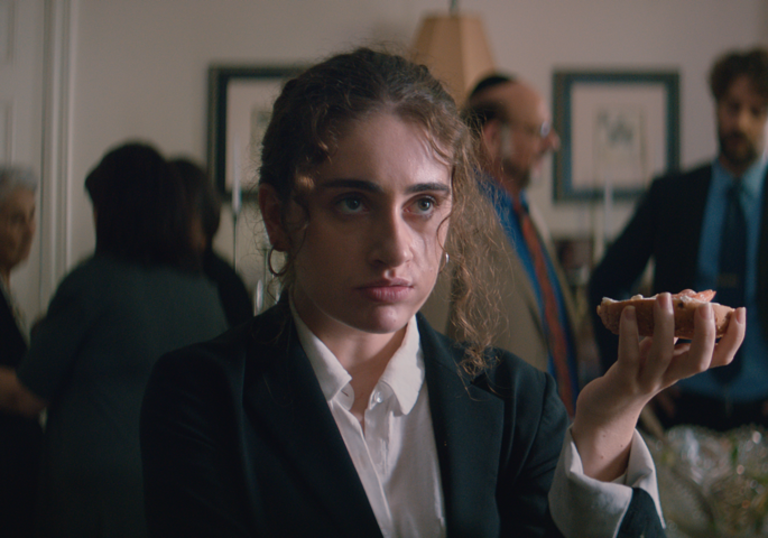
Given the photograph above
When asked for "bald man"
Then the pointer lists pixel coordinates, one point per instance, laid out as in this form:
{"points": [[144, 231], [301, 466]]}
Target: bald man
{"points": [[537, 314]]}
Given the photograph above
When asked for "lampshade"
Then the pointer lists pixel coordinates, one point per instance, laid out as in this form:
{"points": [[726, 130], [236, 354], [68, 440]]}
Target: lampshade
{"points": [[456, 51]]}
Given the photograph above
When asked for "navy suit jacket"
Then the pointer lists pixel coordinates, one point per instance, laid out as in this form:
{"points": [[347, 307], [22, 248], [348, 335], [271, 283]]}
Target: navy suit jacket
{"points": [[666, 227], [238, 440]]}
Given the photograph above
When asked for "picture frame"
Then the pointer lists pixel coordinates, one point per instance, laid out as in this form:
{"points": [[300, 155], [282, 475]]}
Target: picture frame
{"points": [[618, 130], [240, 99]]}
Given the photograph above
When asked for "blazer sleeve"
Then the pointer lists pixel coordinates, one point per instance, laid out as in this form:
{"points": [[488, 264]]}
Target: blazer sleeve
{"points": [[193, 481], [74, 314], [535, 425]]}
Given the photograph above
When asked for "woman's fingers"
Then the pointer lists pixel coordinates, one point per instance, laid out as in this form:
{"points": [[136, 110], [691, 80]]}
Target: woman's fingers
{"points": [[704, 352], [629, 353], [662, 348], [698, 355], [729, 344], [655, 363]]}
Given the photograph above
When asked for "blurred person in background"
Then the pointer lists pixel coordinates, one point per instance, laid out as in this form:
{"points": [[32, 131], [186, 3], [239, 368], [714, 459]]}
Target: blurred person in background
{"points": [[140, 295], [20, 437], [537, 317], [206, 204], [707, 228]]}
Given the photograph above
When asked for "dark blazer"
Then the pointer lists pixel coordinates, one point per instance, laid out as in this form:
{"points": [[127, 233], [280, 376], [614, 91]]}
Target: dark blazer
{"points": [[21, 441], [11, 340], [238, 440], [666, 227]]}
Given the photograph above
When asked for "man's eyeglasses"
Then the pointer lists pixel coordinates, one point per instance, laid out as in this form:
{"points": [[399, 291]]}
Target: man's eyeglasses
{"points": [[534, 131]]}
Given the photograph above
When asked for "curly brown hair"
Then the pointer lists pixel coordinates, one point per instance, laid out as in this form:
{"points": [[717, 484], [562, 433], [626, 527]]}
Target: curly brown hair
{"points": [[731, 65], [311, 115]]}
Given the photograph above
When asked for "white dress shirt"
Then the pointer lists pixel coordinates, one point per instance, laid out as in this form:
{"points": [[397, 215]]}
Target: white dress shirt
{"points": [[396, 457]]}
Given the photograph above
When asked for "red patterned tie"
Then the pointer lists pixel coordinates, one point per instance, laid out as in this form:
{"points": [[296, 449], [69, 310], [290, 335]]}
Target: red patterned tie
{"points": [[558, 345]]}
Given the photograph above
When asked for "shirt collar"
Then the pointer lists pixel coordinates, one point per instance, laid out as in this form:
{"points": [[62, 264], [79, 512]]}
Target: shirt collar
{"points": [[751, 180], [403, 376]]}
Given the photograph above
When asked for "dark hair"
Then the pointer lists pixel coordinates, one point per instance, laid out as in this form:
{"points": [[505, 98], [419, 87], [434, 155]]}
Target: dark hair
{"points": [[202, 194], [752, 63], [311, 115], [142, 213], [480, 111], [494, 79]]}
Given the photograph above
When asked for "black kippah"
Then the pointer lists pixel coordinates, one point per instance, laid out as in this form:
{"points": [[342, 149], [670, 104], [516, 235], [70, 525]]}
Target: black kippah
{"points": [[491, 80]]}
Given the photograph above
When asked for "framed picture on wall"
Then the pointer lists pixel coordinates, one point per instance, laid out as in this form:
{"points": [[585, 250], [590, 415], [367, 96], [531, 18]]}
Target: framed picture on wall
{"points": [[618, 130], [240, 102]]}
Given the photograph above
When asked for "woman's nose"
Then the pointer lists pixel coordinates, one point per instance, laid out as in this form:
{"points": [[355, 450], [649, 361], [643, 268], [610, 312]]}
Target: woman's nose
{"points": [[392, 241]]}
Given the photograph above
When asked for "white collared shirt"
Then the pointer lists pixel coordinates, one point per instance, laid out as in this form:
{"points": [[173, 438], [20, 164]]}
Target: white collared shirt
{"points": [[396, 457]]}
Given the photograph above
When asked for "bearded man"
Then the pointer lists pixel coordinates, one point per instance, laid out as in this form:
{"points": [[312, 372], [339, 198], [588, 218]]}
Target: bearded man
{"points": [[708, 229]]}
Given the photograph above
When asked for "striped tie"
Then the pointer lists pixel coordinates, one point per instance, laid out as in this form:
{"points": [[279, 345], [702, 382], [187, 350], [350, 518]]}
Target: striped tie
{"points": [[558, 345]]}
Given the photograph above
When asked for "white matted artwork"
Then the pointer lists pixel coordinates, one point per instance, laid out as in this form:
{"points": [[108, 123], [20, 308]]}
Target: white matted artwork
{"points": [[249, 107], [240, 105], [6, 30], [618, 130], [5, 132]]}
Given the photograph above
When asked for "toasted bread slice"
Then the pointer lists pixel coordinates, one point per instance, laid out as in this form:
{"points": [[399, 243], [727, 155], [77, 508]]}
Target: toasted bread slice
{"points": [[684, 304]]}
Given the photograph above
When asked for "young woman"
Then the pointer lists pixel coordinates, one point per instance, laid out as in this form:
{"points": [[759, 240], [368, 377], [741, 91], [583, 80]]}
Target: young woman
{"points": [[340, 412]]}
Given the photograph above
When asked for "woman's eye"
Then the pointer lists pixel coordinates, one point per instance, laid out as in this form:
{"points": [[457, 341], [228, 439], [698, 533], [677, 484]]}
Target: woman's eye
{"points": [[424, 205], [350, 205]]}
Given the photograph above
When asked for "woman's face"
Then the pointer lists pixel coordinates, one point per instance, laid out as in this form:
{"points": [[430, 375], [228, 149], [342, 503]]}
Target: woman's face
{"points": [[17, 227], [372, 248]]}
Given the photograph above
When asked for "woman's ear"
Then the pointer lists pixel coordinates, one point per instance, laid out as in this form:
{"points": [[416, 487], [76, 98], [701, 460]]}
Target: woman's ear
{"points": [[271, 210]]}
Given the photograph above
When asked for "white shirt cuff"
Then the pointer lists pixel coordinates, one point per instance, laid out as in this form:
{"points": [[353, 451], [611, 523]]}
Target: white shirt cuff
{"points": [[584, 507]]}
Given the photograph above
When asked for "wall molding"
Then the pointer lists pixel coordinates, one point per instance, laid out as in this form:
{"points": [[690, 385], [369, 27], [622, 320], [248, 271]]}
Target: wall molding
{"points": [[55, 201]]}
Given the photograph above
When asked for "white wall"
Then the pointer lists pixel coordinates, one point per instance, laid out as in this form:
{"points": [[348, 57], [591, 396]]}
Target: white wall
{"points": [[140, 65]]}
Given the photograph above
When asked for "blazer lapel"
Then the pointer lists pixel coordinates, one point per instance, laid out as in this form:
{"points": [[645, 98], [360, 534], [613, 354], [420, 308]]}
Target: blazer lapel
{"points": [[467, 422], [762, 259], [286, 398], [691, 214]]}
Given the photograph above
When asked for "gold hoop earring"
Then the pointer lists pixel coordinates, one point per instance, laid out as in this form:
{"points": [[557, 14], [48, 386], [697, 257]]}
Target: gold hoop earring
{"points": [[279, 273]]}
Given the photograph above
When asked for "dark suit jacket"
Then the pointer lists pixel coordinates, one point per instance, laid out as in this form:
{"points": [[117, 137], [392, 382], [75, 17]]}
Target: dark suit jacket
{"points": [[666, 227], [238, 440], [21, 441], [11, 340]]}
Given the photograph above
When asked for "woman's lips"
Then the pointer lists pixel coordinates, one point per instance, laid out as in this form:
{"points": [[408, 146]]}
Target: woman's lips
{"points": [[387, 291]]}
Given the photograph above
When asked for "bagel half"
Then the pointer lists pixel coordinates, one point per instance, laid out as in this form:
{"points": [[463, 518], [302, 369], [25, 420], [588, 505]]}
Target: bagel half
{"points": [[684, 304]]}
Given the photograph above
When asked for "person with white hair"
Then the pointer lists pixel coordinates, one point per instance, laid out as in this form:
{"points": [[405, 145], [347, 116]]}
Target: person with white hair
{"points": [[20, 437]]}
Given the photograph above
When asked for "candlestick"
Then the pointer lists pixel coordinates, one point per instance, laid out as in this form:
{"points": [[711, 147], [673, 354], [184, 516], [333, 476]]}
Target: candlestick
{"points": [[607, 210], [236, 177], [235, 197]]}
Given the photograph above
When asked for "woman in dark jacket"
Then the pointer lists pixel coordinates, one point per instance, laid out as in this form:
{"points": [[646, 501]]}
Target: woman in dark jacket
{"points": [[206, 205], [340, 412]]}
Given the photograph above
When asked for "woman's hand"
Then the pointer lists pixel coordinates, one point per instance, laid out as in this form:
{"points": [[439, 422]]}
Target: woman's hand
{"points": [[608, 408]]}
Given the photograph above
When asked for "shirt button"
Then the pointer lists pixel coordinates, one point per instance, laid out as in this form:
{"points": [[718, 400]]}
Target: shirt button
{"points": [[378, 398]]}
